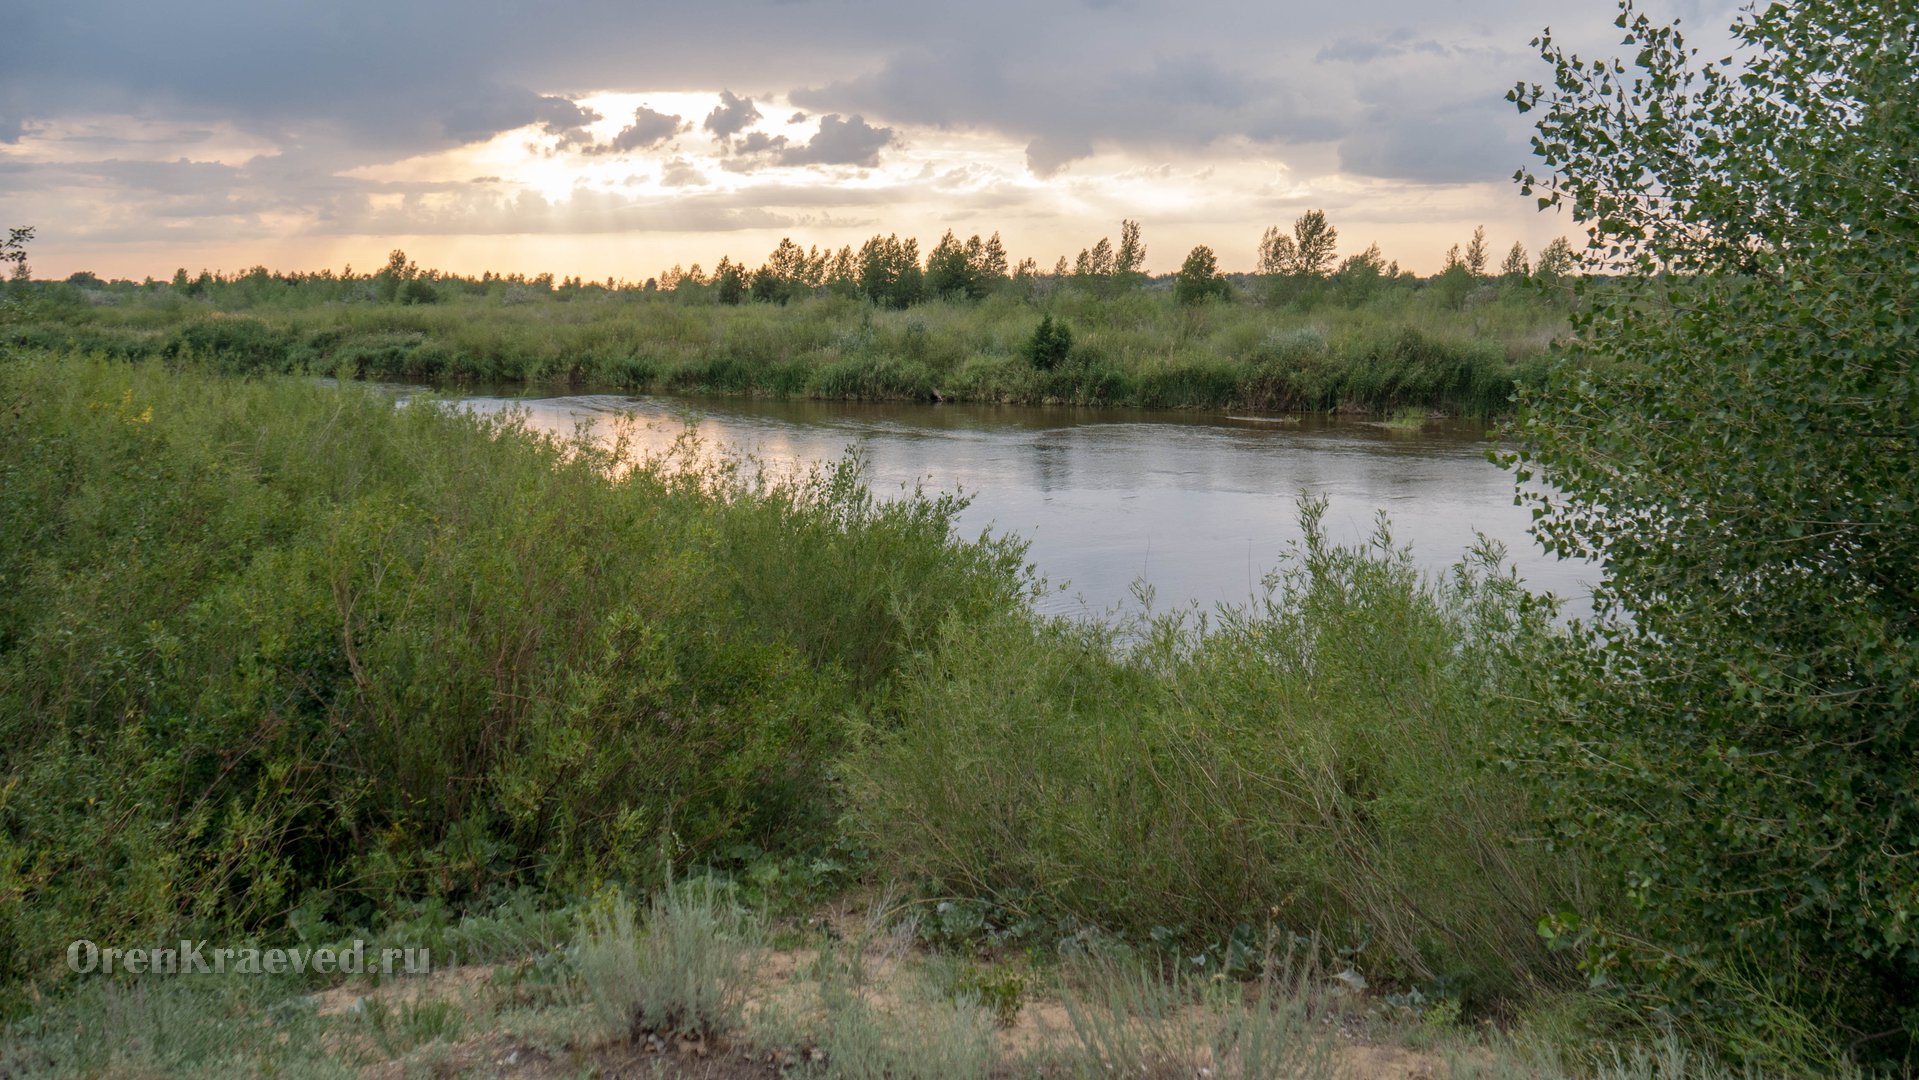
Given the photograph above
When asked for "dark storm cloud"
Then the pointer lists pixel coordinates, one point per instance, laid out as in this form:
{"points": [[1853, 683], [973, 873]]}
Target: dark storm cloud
{"points": [[841, 141], [1184, 100], [377, 80], [319, 90], [732, 116]]}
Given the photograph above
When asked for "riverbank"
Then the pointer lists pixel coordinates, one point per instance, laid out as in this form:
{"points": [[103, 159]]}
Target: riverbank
{"points": [[1403, 349], [282, 664]]}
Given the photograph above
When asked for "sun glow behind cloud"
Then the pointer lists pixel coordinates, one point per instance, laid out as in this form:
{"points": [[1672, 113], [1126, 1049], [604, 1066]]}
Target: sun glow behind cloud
{"points": [[668, 200], [512, 137]]}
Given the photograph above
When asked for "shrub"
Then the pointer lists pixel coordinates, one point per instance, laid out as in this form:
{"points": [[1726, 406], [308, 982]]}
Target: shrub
{"points": [[687, 972], [266, 642], [1050, 344], [1315, 762]]}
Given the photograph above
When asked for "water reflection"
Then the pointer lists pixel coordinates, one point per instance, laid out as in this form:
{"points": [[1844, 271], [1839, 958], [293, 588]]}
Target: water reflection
{"points": [[1200, 507]]}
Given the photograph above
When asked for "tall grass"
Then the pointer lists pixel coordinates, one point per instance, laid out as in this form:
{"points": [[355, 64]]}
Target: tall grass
{"points": [[1402, 348], [1324, 762], [686, 972], [1129, 1020]]}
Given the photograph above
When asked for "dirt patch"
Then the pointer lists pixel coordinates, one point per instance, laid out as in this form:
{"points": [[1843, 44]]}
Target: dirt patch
{"points": [[882, 969]]}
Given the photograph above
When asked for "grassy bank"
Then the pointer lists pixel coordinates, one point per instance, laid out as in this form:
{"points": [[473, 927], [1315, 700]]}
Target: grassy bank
{"points": [[282, 662], [1455, 350]]}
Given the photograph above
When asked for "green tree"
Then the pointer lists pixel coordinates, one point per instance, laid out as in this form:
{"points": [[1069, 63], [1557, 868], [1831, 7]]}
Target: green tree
{"points": [[1094, 267], [889, 271], [1052, 340], [1277, 252], [949, 272], [1314, 241], [1130, 260], [1308, 252], [842, 273], [1734, 437], [1515, 267], [729, 282], [1359, 276], [1556, 260], [1476, 253], [1199, 279], [992, 265], [14, 250]]}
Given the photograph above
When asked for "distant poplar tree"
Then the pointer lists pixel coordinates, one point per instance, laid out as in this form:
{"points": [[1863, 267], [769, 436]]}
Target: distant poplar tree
{"points": [[1314, 240], [1308, 252], [1556, 260], [1277, 252], [1131, 258], [1515, 266], [1476, 253]]}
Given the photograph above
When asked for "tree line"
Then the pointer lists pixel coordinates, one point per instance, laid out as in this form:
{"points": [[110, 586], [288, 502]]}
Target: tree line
{"points": [[1300, 266], [889, 271]]}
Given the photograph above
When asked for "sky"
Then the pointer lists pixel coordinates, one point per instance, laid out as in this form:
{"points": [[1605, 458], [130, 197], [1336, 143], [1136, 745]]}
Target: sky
{"points": [[602, 138]]}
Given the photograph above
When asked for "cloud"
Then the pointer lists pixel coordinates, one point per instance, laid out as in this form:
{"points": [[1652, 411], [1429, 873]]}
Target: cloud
{"points": [[732, 116], [680, 172], [1447, 148], [302, 100], [648, 129], [1186, 100], [754, 143], [1366, 50], [841, 141], [1048, 154], [488, 110]]}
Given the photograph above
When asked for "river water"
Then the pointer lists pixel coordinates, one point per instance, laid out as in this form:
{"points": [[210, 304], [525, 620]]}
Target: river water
{"points": [[1199, 507]]}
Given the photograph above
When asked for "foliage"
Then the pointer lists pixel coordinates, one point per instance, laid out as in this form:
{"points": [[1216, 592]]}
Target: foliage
{"points": [[1314, 762], [1373, 340], [998, 990], [1308, 252], [1199, 279], [1476, 254], [686, 972], [1740, 733], [1051, 343], [889, 271], [268, 645], [1127, 1020], [14, 250], [1515, 268]]}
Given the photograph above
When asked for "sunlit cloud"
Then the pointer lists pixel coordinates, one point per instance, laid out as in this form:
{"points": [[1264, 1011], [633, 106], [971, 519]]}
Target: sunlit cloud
{"points": [[615, 143]]}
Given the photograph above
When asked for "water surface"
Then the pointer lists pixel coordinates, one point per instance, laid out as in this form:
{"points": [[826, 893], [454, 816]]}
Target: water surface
{"points": [[1199, 507]]}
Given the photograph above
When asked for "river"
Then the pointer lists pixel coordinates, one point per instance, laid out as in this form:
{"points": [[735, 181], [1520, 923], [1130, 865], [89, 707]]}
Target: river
{"points": [[1199, 507]]}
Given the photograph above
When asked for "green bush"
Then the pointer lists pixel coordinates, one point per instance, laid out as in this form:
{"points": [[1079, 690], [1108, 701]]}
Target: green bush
{"points": [[269, 643], [1317, 763], [1050, 344]]}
